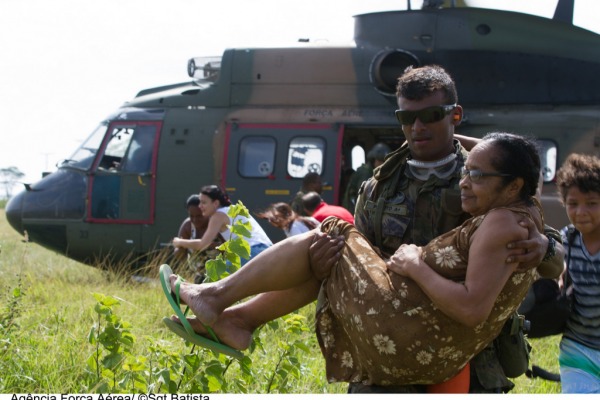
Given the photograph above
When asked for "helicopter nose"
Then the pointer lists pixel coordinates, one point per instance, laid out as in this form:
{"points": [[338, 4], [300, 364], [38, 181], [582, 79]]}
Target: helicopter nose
{"points": [[14, 212]]}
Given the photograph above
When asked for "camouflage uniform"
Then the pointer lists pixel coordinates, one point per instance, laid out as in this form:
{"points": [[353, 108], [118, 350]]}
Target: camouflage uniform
{"points": [[394, 208]]}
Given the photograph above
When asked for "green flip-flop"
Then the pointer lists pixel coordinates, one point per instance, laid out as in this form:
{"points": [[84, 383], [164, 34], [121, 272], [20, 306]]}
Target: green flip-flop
{"points": [[184, 329]]}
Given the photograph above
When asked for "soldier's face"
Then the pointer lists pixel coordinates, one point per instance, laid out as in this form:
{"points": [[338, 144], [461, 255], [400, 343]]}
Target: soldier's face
{"points": [[428, 141]]}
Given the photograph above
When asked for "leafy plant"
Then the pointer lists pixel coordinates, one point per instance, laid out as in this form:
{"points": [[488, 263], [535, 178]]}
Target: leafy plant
{"points": [[229, 260], [11, 310], [113, 366]]}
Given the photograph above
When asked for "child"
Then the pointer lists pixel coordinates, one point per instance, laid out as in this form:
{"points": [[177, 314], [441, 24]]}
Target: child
{"points": [[578, 181]]}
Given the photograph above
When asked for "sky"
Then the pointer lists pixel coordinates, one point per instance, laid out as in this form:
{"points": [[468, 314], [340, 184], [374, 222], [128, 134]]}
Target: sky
{"points": [[66, 64]]}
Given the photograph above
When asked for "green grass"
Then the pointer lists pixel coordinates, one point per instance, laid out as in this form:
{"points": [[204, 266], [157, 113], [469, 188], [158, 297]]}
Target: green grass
{"points": [[47, 346]]}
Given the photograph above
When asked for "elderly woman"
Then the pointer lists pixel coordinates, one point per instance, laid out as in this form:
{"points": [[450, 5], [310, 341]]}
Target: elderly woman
{"points": [[429, 309]]}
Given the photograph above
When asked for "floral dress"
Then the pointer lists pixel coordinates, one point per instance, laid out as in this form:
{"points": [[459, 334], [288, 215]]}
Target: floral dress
{"points": [[377, 327]]}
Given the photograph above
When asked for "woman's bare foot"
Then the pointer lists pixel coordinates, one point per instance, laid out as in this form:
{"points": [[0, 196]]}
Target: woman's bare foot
{"points": [[229, 329], [198, 298]]}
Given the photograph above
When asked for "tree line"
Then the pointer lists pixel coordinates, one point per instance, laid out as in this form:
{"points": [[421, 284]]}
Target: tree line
{"points": [[9, 177]]}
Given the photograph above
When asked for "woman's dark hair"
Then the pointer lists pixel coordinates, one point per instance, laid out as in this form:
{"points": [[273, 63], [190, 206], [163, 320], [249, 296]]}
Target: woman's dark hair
{"points": [[192, 201], [518, 157], [581, 171], [215, 193]]}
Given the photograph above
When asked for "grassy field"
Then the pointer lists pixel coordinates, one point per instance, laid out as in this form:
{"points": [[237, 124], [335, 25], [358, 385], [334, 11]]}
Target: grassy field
{"points": [[47, 309]]}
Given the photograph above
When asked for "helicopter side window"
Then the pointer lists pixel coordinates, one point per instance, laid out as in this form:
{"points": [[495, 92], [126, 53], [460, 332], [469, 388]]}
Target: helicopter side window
{"points": [[358, 157], [305, 155], [257, 156], [548, 152]]}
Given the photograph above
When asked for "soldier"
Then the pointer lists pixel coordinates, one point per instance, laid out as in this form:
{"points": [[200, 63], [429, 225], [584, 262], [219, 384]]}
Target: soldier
{"points": [[375, 158], [414, 196]]}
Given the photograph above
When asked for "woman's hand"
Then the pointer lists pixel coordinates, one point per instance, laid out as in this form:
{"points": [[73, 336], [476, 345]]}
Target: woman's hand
{"points": [[405, 259]]}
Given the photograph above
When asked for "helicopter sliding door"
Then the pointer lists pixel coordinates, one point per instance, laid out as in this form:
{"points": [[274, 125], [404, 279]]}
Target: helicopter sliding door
{"points": [[123, 179], [265, 163]]}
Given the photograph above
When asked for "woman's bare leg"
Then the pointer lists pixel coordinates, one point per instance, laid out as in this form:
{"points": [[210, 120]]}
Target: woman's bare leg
{"points": [[286, 265], [236, 324]]}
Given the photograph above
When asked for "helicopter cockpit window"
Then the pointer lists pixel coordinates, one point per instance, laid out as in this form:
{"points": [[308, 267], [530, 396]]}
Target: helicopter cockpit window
{"points": [[257, 156], [85, 154], [547, 150], [139, 152], [119, 141], [305, 155]]}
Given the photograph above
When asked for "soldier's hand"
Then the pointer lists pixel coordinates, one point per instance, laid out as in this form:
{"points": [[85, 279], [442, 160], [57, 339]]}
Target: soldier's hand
{"points": [[529, 252], [324, 252]]}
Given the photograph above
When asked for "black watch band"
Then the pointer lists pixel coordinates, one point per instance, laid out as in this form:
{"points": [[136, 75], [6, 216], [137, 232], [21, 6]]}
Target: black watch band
{"points": [[551, 250]]}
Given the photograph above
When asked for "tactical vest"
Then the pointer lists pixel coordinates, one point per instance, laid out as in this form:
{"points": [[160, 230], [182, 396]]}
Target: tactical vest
{"points": [[396, 208]]}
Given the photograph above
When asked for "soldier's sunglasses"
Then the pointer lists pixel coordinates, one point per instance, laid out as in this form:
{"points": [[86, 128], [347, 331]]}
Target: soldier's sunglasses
{"points": [[475, 174], [426, 115]]}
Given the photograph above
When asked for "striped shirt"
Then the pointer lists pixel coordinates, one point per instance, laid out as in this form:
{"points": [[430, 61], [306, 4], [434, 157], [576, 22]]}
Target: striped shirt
{"points": [[583, 325]]}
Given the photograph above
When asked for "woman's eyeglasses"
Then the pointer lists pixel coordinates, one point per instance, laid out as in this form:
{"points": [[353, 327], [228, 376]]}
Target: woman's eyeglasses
{"points": [[426, 115], [475, 174]]}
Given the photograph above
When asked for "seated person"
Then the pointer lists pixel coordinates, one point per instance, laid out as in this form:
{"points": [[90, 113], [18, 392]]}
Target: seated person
{"points": [[193, 227], [215, 203]]}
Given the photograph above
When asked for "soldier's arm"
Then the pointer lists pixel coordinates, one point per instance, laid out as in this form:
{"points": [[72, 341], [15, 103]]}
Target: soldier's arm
{"points": [[467, 142], [543, 251], [360, 213]]}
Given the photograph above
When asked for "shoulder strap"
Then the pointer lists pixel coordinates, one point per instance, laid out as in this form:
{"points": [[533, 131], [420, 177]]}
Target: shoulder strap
{"points": [[387, 177], [389, 188], [571, 233]]}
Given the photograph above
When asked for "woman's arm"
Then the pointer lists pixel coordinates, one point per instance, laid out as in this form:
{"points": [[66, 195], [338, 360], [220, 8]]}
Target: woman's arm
{"points": [[542, 251], [215, 224], [185, 230], [471, 302]]}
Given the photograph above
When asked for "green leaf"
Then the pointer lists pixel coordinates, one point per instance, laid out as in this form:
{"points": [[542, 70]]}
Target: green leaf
{"points": [[16, 293], [92, 335], [112, 360], [242, 229], [241, 248], [303, 347], [110, 301], [214, 384], [238, 209]]}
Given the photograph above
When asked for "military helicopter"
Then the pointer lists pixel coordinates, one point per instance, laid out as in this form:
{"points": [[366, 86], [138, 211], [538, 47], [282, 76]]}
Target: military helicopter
{"points": [[256, 120]]}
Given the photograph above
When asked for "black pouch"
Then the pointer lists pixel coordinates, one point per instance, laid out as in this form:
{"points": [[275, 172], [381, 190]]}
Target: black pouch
{"points": [[547, 307], [550, 312], [512, 347]]}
